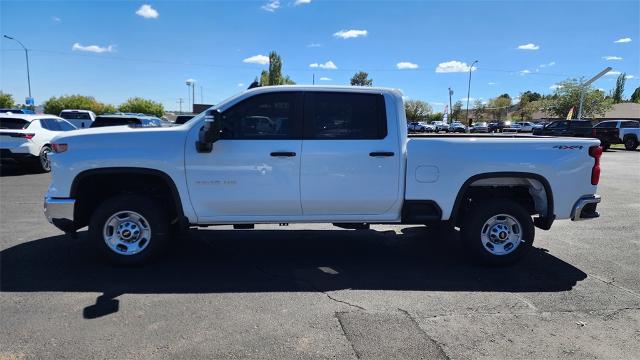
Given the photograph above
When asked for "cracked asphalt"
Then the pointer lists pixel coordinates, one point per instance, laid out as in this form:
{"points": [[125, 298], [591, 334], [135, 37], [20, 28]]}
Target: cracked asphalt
{"points": [[318, 292]]}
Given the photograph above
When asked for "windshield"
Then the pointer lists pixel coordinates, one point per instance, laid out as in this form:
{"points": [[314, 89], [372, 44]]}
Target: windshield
{"points": [[13, 123]]}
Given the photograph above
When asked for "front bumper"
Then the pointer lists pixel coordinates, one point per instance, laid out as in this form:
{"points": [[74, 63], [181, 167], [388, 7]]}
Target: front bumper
{"points": [[59, 212], [585, 208]]}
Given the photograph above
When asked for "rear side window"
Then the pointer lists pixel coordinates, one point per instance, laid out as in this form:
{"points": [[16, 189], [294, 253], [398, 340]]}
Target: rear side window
{"points": [[607, 124], [336, 116], [12, 123], [50, 124], [70, 115], [630, 124], [273, 116]]}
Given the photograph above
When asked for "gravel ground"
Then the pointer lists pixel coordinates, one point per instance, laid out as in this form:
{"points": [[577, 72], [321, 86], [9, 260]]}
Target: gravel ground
{"points": [[317, 292]]}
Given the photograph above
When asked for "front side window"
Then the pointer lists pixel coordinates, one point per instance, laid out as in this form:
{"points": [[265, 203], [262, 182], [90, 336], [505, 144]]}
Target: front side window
{"points": [[607, 124], [270, 116], [65, 126], [50, 124], [336, 116]]}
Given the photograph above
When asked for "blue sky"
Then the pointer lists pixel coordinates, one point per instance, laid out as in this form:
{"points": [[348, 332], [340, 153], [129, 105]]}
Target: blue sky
{"points": [[117, 49]]}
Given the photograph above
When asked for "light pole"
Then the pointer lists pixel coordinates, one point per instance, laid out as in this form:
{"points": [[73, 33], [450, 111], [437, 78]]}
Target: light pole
{"points": [[26, 55], [469, 91], [191, 92], [584, 85], [450, 107]]}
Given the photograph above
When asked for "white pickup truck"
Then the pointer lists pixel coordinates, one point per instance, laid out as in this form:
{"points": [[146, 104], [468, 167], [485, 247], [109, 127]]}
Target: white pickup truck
{"points": [[308, 154]]}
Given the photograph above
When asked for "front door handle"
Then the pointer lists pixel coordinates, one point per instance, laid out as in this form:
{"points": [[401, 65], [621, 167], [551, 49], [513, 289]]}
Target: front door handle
{"points": [[381, 154], [283, 153]]}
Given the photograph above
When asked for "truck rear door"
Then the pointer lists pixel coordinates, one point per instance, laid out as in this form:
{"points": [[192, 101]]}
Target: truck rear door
{"points": [[350, 155]]}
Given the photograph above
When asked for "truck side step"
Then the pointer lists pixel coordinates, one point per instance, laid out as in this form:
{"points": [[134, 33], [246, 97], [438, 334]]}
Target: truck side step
{"points": [[243, 226], [352, 226]]}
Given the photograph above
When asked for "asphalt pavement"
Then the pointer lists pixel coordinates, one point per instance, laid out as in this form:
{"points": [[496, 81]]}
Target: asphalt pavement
{"points": [[319, 292]]}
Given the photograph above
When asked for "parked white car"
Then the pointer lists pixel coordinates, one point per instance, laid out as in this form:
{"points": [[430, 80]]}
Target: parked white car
{"points": [[525, 126], [79, 118], [345, 160], [27, 138], [440, 126]]}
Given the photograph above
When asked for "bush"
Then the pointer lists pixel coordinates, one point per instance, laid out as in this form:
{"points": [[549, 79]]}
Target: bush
{"points": [[6, 100], [140, 105], [56, 104]]}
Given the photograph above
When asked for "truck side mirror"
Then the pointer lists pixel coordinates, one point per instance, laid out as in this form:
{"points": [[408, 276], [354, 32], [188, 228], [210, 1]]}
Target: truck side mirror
{"points": [[210, 132]]}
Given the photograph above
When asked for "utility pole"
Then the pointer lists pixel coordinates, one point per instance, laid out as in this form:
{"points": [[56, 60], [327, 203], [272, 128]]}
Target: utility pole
{"points": [[450, 107], [26, 55], [180, 104], [585, 84], [469, 92]]}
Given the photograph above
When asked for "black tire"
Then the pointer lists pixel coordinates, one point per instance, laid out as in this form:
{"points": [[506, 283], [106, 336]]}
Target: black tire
{"points": [[152, 212], [42, 163], [472, 229], [630, 143]]}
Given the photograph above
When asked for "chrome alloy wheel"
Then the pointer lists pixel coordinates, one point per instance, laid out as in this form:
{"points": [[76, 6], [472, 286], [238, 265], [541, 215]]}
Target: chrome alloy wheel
{"points": [[501, 234], [45, 160], [126, 233]]}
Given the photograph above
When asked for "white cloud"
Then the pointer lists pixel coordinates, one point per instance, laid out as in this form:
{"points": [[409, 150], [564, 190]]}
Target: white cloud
{"points": [[613, 73], [553, 63], [257, 59], [56, 19], [453, 66], [529, 46], [324, 78], [147, 12], [329, 65], [406, 65], [525, 72], [240, 84], [271, 6], [555, 86], [629, 77], [623, 40], [301, 2], [314, 45], [93, 48], [348, 34], [491, 83], [612, 57]]}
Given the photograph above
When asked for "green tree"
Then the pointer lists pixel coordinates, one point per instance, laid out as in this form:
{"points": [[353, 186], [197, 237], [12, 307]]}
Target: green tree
{"points": [[435, 117], [361, 78], [6, 100], [618, 92], [56, 104], [479, 110], [456, 112], [635, 97], [417, 110], [567, 95], [499, 106], [140, 105], [274, 76]]}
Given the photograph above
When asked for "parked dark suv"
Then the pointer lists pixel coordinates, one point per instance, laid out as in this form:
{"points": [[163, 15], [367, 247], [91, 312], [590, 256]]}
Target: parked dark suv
{"points": [[575, 128]]}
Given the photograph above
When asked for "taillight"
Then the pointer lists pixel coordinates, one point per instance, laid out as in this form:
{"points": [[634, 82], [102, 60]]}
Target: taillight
{"points": [[23, 135], [595, 152], [58, 148]]}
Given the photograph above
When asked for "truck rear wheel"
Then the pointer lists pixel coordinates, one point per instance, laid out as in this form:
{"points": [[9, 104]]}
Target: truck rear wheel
{"points": [[129, 229], [499, 232], [630, 143]]}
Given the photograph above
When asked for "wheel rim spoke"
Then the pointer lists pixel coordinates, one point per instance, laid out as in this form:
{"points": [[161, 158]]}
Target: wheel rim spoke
{"points": [[501, 234]]}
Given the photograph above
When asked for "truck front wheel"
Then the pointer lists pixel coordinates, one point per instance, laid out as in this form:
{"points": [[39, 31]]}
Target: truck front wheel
{"points": [[499, 232], [129, 229], [630, 143]]}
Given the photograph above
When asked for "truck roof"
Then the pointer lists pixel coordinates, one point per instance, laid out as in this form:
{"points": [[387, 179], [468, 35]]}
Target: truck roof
{"points": [[360, 89]]}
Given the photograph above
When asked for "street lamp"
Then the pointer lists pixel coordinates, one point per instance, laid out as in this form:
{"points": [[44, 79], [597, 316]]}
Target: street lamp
{"points": [[191, 85], [26, 54], [584, 85], [469, 91], [450, 107]]}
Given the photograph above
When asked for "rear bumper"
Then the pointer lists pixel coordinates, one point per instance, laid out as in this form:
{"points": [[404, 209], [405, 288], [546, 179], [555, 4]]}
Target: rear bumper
{"points": [[8, 155], [585, 208], [59, 212]]}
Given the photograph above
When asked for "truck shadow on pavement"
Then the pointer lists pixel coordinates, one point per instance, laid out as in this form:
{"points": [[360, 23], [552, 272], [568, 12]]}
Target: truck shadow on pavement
{"points": [[217, 261]]}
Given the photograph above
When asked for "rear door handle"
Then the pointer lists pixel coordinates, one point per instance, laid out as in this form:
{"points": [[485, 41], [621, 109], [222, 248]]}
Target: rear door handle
{"points": [[381, 153], [283, 153]]}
